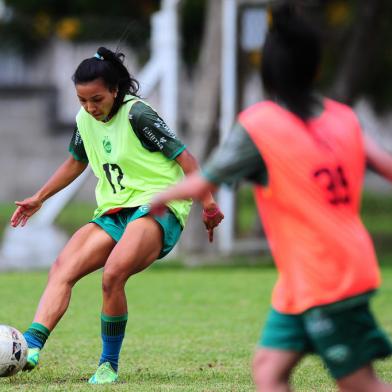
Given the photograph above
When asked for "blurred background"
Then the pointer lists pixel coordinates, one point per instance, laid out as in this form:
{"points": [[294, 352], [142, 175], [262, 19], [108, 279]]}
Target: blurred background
{"points": [[198, 64]]}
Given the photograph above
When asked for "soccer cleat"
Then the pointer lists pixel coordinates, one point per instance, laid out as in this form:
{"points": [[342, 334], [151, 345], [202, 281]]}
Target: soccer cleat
{"points": [[104, 375], [32, 358]]}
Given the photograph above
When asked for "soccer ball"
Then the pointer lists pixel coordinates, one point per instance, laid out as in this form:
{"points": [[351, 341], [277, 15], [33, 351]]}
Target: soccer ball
{"points": [[13, 351]]}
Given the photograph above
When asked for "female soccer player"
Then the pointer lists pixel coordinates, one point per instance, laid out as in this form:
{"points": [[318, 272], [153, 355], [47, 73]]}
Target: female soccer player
{"points": [[134, 154], [306, 154]]}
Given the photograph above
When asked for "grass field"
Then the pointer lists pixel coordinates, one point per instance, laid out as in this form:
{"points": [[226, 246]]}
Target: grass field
{"points": [[188, 330]]}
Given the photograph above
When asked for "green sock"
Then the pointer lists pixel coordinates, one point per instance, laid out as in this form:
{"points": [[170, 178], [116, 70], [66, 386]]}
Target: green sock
{"points": [[36, 335]]}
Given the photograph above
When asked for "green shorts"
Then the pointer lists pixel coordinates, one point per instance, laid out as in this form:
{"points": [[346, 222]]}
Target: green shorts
{"points": [[346, 338], [115, 224]]}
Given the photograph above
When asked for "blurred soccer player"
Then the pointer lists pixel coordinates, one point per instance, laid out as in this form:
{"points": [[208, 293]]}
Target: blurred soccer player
{"points": [[134, 154], [307, 155]]}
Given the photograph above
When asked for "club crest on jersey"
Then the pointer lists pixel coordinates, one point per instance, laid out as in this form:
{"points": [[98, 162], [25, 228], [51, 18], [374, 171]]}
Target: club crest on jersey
{"points": [[107, 146]]}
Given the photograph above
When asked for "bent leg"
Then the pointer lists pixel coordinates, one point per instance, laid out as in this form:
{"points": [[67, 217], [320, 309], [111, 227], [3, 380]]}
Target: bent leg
{"points": [[86, 251], [272, 369], [363, 380], [138, 248]]}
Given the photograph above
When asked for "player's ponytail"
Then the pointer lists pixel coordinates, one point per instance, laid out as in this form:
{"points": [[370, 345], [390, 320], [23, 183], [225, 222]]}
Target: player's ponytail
{"points": [[108, 66], [290, 61]]}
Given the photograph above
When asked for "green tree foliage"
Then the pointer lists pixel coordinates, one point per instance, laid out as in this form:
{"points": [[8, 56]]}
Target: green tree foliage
{"points": [[358, 56], [357, 35], [192, 24], [29, 24], [377, 82]]}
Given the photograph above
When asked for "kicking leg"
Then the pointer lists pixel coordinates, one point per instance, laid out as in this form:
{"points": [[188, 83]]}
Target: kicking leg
{"points": [[86, 251]]}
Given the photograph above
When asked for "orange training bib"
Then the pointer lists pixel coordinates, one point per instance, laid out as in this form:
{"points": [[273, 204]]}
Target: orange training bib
{"points": [[310, 208]]}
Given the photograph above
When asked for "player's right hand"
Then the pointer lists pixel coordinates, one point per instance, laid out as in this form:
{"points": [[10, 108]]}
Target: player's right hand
{"points": [[212, 217], [25, 210]]}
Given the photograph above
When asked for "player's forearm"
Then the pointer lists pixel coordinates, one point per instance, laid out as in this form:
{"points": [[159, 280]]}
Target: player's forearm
{"points": [[192, 187], [62, 177], [384, 170], [378, 159]]}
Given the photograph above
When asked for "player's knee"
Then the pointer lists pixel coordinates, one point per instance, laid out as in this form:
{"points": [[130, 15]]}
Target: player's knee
{"points": [[55, 271], [112, 279], [260, 366], [59, 274], [266, 376]]}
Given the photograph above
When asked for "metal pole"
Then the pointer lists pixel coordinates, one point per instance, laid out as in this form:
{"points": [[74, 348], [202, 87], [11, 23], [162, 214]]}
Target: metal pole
{"points": [[228, 113], [169, 48]]}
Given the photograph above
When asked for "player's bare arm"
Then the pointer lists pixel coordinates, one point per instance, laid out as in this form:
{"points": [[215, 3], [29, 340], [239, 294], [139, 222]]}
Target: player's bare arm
{"points": [[193, 186], [62, 177], [378, 159]]}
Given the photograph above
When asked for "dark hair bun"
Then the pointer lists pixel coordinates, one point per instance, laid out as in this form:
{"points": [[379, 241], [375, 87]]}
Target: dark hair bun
{"points": [[108, 55]]}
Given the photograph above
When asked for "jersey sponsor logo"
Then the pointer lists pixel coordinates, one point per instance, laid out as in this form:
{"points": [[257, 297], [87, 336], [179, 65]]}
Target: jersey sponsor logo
{"points": [[77, 138], [107, 145], [159, 123], [152, 138]]}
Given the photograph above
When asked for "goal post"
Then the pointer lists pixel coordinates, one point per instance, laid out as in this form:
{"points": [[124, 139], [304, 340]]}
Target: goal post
{"points": [[239, 33]]}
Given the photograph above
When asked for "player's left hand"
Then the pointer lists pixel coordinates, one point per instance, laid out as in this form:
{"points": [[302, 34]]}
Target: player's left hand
{"points": [[212, 217]]}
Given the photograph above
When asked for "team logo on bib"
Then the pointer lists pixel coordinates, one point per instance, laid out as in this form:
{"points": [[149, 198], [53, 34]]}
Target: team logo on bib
{"points": [[107, 146]]}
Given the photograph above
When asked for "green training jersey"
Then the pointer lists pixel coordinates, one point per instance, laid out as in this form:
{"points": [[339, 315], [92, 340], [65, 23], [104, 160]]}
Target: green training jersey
{"points": [[128, 173], [152, 131]]}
